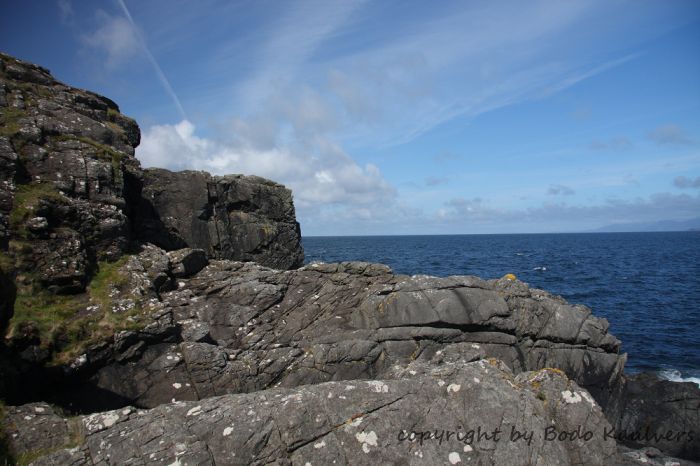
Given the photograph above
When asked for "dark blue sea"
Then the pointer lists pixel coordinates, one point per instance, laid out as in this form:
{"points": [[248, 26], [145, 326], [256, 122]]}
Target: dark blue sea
{"points": [[646, 284]]}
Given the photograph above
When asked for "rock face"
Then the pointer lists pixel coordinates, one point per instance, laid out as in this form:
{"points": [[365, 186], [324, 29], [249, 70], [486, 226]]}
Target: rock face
{"points": [[71, 191], [67, 171], [655, 412], [231, 217], [457, 413], [242, 327]]}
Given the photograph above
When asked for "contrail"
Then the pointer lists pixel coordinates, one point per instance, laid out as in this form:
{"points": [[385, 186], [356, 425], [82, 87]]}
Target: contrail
{"points": [[161, 76]]}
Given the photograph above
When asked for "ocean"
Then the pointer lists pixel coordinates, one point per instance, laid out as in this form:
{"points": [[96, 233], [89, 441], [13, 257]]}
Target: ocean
{"points": [[647, 285]]}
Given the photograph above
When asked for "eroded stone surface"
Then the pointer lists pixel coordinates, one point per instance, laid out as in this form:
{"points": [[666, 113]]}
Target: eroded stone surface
{"points": [[240, 327], [355, 423]]}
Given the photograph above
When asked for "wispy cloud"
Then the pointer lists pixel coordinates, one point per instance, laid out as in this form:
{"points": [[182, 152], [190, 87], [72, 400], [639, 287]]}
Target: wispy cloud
{"points": [[478, 214], [685, 182], [559, 190], [292, 40], [614, 144], [65, 9], [116, 38], [436, 180], [669, 134]]}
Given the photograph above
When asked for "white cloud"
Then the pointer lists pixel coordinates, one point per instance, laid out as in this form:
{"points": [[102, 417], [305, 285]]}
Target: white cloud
{"points": [[115, 37], [319, 172]]}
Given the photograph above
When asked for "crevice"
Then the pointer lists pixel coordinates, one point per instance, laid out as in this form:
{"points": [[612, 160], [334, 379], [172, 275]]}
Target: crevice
{"points": [[292, 448]]}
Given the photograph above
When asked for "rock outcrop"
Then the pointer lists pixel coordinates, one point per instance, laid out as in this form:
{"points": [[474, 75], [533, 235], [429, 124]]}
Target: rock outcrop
{"points": [[238, 217], [173, 313], [74, 199], [659, 413], [67, 172], [457, 413], [241, 327]]}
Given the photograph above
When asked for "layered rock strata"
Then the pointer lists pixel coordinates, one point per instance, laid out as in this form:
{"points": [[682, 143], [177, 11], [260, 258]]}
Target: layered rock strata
{"points": [[240, 327]]}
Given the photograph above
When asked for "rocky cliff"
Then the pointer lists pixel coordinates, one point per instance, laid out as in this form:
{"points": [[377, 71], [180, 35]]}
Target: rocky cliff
{"points": [[170, 311], [231, 217], [74, 198]]}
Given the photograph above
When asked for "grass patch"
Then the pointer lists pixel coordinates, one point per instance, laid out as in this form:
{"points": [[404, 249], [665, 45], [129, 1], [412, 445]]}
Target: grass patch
{"points": [[27, 198], [9, 120], [7, 264], [69, 324]]}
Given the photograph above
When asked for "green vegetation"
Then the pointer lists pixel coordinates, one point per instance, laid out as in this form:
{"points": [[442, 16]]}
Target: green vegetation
{"points": [[27, 198], [9, 120], [7, 458], [68, 324], [6, 263]]}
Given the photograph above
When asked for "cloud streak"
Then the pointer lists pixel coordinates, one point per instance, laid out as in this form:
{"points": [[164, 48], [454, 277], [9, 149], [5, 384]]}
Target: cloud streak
{"points": [[479, 216], [156, 67]]}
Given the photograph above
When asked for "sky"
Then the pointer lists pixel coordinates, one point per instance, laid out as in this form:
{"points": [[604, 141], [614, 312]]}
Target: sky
{"points": [[402, 117]]}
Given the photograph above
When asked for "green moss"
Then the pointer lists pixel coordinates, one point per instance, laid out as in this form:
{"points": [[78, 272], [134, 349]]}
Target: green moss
{"points": [[9, 120], [68, 324], [6, 263], [27, 198]]}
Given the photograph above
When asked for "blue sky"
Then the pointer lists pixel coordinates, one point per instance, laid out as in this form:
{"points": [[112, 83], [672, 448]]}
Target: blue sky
{"points": [[396, 117]]}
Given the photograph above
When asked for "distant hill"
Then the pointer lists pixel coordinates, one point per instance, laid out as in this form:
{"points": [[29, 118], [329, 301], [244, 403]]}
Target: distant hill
{"points": [[661, 225]]}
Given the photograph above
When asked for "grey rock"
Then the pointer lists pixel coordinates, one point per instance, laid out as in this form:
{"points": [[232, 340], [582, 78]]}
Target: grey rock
{"points": [[232, 217], [186, 262], [426, 416], [648, 456], [260, 328], [66, 161], [35, 427], [658, 413]]}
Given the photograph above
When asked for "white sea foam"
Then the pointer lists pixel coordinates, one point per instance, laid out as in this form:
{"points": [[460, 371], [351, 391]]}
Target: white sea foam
{"points": [[674, 375]]}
